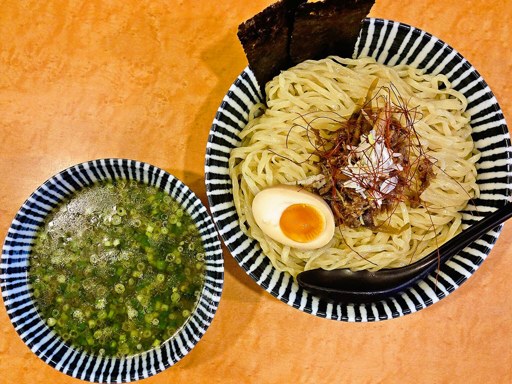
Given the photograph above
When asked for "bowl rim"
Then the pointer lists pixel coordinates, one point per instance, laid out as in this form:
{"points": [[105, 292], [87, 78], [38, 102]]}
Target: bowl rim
{"points": [[17, 294], [230, 114]]}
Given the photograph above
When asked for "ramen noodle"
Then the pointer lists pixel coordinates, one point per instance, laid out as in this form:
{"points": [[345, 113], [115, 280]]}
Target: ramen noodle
{"points": [[277, 148]]}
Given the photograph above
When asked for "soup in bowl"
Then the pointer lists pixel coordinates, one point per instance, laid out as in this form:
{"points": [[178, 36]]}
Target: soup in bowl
{"points": [[112, 270]]}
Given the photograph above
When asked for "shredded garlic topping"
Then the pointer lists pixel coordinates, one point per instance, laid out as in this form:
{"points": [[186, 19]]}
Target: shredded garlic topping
{"points": [[370, 168]]}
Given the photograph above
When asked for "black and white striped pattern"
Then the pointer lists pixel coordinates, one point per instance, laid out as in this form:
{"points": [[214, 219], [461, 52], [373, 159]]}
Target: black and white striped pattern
{"points": [[390, 43], [17, 294]]}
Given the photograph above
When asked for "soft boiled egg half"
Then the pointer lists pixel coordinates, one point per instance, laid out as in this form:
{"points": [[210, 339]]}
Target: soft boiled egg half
{"points": [[293, 216]]}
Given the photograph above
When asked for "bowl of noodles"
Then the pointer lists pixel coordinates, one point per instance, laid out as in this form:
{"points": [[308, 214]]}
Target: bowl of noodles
{"points": [[454, 166]]}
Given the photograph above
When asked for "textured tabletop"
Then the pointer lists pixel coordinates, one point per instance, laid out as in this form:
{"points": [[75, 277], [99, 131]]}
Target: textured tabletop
{"points": [[81, 80]]}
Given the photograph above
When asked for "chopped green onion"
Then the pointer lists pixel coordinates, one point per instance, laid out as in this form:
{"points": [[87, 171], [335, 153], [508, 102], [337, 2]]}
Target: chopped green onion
{"points": [[146, 333], [116, 220], [119, 288], [175, 297]]}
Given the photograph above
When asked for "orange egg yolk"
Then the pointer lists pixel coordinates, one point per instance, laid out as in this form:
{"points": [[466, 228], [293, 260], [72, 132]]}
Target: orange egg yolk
{"points": [[301, 223]]}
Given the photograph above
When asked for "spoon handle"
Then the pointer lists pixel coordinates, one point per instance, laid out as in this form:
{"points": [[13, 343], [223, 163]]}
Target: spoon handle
{"points": [[459, 242]]}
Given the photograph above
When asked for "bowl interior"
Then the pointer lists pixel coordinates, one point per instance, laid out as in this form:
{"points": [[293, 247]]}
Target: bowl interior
{"points": [[390, 43], [17, 293]]}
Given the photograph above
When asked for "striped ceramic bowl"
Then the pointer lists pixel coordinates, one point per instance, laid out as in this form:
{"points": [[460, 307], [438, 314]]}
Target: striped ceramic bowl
{"points": [[17, 294], [390, 43]]}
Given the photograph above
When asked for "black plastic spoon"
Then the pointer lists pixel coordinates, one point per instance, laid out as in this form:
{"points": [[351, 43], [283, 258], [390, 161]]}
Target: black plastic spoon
{"points": [[344, 285]]}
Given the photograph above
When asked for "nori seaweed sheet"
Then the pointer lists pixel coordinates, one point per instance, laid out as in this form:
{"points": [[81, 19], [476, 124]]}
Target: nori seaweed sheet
{"points": [[266, 39], [291, 31], [327, 28]]}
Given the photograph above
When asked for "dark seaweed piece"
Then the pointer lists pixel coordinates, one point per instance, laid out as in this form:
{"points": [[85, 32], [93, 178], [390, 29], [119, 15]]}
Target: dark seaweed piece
{"points": [[266, 39], [327, 28]]}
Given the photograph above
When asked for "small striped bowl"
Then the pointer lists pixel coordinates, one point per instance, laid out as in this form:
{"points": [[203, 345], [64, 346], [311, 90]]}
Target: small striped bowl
{"points": [[17, 294], [390, 43]]}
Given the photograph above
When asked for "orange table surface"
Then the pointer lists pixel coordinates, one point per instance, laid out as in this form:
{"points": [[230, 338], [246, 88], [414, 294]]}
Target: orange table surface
{"points": [[81, 80]]}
